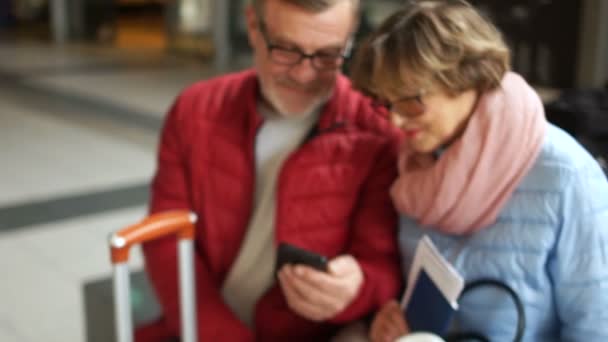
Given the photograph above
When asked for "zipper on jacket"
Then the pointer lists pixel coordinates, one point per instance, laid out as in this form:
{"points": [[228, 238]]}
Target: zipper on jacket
{"points": [[315, 131]]}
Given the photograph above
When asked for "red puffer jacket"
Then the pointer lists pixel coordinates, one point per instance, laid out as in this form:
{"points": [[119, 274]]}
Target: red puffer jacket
{"points": [[332, 198]]}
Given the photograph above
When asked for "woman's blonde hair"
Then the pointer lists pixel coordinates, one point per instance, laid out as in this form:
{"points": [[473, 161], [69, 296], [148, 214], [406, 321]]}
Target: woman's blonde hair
{"points": [[431, 43]]}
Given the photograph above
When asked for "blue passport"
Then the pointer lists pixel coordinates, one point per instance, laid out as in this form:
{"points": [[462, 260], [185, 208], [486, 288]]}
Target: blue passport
{"points": [[428, 309]]}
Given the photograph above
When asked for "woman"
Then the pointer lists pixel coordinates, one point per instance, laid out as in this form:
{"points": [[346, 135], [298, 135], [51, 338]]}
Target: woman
{"points": [[501, 192]]}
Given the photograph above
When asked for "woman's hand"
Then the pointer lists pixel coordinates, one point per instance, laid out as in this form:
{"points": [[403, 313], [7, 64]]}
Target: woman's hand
{"points": [[389, 324]]}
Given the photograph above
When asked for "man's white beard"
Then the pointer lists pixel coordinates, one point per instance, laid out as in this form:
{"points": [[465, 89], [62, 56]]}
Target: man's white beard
{"points": [[274, 100]]}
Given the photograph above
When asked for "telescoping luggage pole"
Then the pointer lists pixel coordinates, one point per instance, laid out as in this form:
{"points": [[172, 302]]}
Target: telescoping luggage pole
{"points": [[179, 222]]}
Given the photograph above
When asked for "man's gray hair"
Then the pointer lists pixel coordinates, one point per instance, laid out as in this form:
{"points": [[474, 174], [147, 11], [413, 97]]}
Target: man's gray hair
{"points": [[312, 5]]}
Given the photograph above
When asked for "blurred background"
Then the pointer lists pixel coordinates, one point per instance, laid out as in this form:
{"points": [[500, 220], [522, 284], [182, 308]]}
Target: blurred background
{"points": [[84, 86]]}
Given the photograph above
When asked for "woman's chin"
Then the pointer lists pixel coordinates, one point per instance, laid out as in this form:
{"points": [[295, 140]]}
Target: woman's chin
{"points": [[422, 147]]}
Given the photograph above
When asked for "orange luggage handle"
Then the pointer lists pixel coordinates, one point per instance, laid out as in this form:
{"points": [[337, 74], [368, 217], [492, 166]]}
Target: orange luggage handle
{"points": [[179, 222]]}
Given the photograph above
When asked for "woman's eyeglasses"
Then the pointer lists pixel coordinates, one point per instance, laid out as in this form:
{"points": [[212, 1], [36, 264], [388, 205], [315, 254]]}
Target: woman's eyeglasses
{"points": [[407, 106]]}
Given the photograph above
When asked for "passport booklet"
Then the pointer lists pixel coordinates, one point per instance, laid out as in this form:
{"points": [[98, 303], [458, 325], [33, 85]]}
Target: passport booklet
{"points": [[434, 285]]}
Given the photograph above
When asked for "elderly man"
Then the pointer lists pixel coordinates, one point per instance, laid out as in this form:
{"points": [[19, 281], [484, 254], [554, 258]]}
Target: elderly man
{"points": [[285, 152]]}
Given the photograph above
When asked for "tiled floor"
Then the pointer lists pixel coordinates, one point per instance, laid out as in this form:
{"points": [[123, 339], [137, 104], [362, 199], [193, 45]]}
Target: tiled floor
{"points": [[45, 267], [78, 128], [51, 156]]}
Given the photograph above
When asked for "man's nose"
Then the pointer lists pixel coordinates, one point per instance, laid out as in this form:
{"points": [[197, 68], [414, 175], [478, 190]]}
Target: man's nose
{"points": [[303, 72]]}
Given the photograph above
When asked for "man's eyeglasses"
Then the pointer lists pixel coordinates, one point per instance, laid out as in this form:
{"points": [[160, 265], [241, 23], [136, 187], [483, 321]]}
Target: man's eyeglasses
{"points": [[408, 106], [322, 61]]}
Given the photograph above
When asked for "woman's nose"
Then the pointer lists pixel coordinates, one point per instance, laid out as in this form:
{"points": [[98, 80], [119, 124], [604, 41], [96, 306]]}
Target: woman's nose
{"points": [[398, 120]]}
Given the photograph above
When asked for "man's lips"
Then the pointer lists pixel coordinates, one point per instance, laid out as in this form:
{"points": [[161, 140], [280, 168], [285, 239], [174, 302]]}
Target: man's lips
{"points": [[299, 90]]}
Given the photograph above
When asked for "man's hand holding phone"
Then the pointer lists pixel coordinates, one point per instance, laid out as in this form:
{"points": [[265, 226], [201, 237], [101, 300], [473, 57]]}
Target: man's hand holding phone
{"points": [[319, 295]]}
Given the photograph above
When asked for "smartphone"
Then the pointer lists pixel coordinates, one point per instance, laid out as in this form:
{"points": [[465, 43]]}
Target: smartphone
{"points": [[290, 254]]}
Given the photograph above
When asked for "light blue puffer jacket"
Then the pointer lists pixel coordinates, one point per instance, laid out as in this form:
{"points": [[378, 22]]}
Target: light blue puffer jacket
{"points": [[550, 244]]}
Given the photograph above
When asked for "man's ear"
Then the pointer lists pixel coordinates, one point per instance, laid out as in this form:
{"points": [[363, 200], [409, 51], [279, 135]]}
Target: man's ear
{"points": [[252, 24]]}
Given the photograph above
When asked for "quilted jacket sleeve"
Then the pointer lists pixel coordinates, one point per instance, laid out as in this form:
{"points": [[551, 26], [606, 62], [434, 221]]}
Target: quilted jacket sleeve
{"points": [[374, 240], [579, 266], [170, 191]]}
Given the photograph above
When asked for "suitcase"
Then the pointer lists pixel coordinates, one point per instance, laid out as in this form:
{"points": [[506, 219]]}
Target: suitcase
{"points": [[179, 222]]}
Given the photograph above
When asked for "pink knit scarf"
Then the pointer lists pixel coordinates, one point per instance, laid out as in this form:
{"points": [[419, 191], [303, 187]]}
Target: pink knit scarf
{"points": [[466, 188]]}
